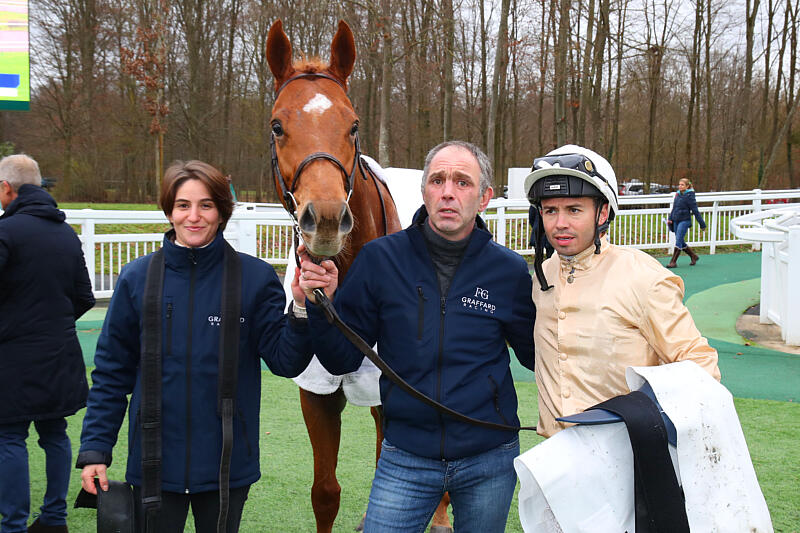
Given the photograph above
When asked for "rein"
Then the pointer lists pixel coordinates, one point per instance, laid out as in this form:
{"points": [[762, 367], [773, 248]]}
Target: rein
{"points": [[333, 318], [287, 194]]}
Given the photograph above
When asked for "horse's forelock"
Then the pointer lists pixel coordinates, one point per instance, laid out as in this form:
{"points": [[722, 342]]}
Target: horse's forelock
{"points": [[310, 66]]}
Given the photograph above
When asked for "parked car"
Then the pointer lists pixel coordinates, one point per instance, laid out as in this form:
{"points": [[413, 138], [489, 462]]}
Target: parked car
{"points": [[630, 188]]}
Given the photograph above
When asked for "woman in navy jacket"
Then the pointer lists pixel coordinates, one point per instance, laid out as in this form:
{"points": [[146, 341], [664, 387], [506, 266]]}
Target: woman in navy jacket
{"points": [[680, 220], [197, 201]]}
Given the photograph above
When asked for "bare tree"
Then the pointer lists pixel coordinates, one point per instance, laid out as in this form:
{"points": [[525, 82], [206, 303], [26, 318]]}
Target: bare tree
{"points": [[493, 145], [386, 83], [560, 91]]}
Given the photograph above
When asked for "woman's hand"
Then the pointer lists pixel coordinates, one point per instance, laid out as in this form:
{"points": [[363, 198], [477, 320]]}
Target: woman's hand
{"points": [[88, 474], [312, 276]]}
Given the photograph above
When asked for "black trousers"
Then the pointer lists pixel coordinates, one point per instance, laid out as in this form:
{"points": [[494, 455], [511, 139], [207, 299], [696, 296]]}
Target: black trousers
{"points": [[205, 509]]}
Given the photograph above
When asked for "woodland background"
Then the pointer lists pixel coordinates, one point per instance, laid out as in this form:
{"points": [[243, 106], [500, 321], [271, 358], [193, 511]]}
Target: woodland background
{"points": [[664, 89]]}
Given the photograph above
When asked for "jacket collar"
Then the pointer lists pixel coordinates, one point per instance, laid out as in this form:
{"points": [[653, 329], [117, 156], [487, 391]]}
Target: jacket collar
{"points": [[182, 258], [33, 200], [479, 237], [586, 259]]}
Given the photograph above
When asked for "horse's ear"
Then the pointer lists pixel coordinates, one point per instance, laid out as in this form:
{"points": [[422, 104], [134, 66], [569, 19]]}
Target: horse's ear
{"points": [[279, 53], [343, 52]]}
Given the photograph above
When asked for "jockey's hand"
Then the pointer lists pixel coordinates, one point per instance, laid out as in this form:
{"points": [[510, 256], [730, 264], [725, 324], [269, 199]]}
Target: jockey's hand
{"points": [[88, 474], [312, 276]]}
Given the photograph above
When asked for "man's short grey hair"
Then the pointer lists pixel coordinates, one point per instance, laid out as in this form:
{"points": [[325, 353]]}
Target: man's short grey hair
{"points": [[20, 169], [483, 162]]}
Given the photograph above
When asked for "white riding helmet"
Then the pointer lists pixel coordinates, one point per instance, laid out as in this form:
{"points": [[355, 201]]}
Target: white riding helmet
{"points": [[571, 171]]}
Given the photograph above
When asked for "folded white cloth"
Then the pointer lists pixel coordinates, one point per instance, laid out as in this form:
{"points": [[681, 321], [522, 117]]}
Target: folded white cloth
{"points": [[581, 479]]}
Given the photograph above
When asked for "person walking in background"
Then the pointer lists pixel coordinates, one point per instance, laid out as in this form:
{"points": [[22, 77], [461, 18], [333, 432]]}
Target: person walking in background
{"points": [[44, 289], [200, 275], [680, 220]]}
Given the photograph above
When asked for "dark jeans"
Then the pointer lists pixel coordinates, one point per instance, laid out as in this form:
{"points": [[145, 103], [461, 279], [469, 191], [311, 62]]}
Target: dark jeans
{"points": [[205, 509], [15, 494]]}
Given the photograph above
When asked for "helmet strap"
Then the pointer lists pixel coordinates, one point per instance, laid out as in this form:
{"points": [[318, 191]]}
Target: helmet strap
{"points": [[599, 229], [538, 231]]}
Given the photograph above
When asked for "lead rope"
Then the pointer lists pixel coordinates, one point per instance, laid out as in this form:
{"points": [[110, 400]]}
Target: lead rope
{"points": [[333, 318]]}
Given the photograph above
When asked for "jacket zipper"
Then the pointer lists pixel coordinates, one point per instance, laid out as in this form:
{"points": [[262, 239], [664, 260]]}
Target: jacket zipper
{"points": [[443, 304], [420, 313], [497, 399], [193, 259], [169, 328]]}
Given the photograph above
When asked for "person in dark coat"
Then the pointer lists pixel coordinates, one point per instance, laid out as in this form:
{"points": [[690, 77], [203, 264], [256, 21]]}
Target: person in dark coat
{"points": [[197, 200], [44, 289], [680, 220], [443, 301]]}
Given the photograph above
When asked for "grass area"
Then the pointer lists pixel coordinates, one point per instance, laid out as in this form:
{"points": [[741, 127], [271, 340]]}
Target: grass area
{"points": [[280, 501]]}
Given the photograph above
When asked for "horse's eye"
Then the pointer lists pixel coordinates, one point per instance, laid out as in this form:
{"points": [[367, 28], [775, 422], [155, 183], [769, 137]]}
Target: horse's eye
{"points": [[277, 129], [354, 129]]}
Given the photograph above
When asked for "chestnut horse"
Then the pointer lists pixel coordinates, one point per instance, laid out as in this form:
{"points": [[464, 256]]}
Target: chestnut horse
{"points": [[337, 205]]}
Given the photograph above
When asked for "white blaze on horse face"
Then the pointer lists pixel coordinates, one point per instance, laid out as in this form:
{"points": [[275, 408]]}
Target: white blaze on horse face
{"points": [[319, 104]]}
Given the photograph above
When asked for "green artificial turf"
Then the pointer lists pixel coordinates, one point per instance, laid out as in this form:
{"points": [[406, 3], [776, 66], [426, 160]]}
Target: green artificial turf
{"points": [[280, 501]]}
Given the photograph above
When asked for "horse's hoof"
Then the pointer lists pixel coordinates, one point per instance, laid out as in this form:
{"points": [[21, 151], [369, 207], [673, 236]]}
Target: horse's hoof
{"points": [[441, 529]]}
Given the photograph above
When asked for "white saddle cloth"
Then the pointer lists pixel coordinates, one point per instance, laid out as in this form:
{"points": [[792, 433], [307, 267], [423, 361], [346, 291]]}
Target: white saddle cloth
{"points": [[581, 479], [361, 387]]}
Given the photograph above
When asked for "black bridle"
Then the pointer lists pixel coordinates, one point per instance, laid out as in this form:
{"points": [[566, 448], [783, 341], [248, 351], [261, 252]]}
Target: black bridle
{"points": [[287, 194]]}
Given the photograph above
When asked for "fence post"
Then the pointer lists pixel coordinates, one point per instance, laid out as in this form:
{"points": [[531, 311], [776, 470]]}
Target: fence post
{"points": [[791, 333], [768, 274], [87, 232], [714, 226], [500, 230], [757, 209], [246, 236]]}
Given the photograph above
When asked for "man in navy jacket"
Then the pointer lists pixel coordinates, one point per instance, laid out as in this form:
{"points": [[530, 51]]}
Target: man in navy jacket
{"points": [[44, 288], [441, 299]]}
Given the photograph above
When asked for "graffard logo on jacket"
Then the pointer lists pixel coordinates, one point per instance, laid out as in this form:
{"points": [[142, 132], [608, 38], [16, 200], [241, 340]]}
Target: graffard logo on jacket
{"points": [[214, 320], [478, 301]]}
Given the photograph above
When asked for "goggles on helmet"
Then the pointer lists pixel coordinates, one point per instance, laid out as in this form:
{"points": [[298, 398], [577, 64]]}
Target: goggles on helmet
{"points": [[565, 176]]}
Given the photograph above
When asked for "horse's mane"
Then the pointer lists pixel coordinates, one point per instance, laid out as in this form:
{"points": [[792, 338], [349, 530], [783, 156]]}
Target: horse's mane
{"points": [[310, 66]]}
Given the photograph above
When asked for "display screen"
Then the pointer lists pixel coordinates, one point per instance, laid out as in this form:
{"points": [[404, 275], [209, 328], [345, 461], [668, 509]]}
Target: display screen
{"points": [[15, 87]]}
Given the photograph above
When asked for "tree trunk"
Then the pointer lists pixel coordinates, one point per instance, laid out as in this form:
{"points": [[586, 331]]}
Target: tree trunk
{"points": [[494, 149], [449, 47], [386, 83], [560, 97]]}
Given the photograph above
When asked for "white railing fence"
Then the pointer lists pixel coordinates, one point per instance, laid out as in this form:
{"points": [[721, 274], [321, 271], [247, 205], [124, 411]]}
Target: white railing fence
{"points": [[264, 230], [779, 230]]}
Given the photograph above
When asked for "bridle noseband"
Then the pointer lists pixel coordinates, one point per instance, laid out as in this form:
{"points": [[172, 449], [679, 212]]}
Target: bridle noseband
{"points": [[287, 195]]}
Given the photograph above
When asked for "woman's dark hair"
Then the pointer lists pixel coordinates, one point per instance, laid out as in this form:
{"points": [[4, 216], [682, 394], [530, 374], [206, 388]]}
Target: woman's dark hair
{"points": [[217, 184]]}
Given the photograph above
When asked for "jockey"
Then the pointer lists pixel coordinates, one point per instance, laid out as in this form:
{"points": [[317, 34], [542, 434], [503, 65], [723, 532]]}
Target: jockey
{"points": [[608, 307]]}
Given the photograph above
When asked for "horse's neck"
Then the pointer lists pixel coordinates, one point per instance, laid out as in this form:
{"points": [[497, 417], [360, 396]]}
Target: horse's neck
{"points": [[368, 214]]}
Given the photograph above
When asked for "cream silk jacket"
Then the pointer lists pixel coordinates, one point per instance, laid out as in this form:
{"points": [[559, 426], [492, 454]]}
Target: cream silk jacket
{"points": [[606, 312]]}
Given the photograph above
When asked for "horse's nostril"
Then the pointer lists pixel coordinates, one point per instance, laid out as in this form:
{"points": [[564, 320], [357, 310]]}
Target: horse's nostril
{"points": [[346, 221], [308, 219]]}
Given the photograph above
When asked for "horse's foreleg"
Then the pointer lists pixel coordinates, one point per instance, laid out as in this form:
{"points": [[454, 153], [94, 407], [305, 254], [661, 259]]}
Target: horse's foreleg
{"points": [[322, 414], [441, 522], [377, 415]]}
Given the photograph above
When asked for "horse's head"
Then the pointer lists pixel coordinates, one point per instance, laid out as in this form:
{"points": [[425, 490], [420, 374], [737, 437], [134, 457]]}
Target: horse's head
{"points": [[315, 139]]}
